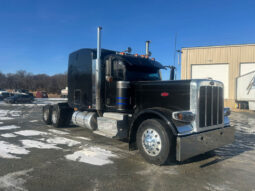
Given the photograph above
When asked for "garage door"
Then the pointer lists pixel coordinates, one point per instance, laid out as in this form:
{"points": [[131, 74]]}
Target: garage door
{"points": [[215, 71], [246, 68]]}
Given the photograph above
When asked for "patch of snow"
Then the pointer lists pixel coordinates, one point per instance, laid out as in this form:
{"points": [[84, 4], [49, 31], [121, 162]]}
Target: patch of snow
{"points": [[84, 138], [218, 187], [15, 113], [9, 127], [62, 141], [8, 150], [3, 112], [8, 135], [5, 118], [30, 133], [58, 132], [38, 144], [33, 121], [13, 181], [92, 155]]}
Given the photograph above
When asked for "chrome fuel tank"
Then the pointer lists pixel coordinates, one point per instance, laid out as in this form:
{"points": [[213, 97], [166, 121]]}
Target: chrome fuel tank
{"points": [[85, 119]]}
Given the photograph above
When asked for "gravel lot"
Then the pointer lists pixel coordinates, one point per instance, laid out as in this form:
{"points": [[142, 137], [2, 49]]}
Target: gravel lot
{"points": [[34, 156]]}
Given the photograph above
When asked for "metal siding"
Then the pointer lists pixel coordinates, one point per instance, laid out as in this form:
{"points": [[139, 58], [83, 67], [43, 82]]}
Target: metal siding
{"points": [[234, 55], [218, 72]]}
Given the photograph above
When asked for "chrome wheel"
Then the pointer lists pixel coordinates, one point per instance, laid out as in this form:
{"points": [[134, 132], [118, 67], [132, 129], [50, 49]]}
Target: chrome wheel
{"points": [[54, 117], [151, 142]]}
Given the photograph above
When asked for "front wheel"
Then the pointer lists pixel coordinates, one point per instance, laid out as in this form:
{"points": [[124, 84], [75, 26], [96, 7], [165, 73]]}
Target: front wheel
{"points": [[155, 141]]}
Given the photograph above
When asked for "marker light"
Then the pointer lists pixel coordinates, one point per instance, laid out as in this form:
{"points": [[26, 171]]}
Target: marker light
{"points": [[164, 94], [184, 116]]}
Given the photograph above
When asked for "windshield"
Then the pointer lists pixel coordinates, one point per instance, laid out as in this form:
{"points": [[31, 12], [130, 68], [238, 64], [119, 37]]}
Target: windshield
{"points": [[142, 75]]}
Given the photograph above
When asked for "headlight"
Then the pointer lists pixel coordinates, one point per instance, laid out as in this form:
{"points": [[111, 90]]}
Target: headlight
{"points": [[227, 111], [184, 116]]}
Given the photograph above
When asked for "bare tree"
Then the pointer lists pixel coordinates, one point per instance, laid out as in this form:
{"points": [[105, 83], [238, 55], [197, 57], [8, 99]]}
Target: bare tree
{"points": [[24, 80]]}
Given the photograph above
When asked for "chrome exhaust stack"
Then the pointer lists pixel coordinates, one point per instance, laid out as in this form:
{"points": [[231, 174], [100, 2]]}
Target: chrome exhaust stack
{"points": [[147, 46], [98, 71]]}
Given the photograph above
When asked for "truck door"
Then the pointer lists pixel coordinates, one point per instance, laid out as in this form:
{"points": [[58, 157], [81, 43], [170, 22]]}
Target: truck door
{"points": [[115, 71]]}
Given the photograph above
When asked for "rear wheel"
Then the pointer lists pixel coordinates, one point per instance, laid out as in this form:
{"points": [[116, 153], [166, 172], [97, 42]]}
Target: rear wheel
{"points": [[47, 112], [155, 141], [61, 115]]}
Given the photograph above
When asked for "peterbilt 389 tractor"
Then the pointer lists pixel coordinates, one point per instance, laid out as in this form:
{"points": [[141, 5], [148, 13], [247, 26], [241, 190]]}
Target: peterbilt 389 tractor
{"points": [[121, 95]]}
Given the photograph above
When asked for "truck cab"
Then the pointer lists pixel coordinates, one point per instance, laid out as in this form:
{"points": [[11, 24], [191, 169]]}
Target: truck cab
{"points": [[122, 96]]}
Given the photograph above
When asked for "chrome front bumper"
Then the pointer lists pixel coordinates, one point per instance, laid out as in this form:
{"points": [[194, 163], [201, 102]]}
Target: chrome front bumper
{"points": [[195, 144]]}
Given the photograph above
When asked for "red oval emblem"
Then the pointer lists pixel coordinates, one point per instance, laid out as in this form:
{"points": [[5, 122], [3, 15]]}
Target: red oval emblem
{"points": [[164, 94]]}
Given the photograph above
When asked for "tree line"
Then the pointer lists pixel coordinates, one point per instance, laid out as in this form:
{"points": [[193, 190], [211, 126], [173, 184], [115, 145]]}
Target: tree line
{"points": [[33, 82]]}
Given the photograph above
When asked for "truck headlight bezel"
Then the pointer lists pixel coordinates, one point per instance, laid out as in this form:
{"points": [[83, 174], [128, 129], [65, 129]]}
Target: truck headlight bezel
{"points": [[184, 116]]}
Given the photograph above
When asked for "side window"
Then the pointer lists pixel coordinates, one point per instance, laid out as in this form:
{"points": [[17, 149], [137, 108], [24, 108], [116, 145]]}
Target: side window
{"points": [[119, 70]]}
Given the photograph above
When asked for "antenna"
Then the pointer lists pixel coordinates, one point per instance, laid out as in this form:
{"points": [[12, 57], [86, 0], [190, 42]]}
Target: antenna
{"points": [[175, 39]]}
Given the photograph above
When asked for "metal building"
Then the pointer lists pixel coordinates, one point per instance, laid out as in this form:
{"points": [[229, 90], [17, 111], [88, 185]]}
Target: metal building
{"points": [[223, 63]]}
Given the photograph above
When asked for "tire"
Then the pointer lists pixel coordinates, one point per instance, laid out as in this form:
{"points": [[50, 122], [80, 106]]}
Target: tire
{"points": [[61, 115], [155, 141], [47, 112]]}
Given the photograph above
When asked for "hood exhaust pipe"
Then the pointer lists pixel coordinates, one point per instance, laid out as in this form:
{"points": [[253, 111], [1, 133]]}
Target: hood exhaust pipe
{"points": [[172, 72], [147, 46], [98, 71]]}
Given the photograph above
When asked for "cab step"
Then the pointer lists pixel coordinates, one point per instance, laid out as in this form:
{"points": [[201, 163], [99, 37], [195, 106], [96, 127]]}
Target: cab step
{"points": [[113, 125]]}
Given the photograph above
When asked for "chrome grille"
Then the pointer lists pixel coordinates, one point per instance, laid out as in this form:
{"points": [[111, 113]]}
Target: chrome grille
{"points": [[210, 106]]}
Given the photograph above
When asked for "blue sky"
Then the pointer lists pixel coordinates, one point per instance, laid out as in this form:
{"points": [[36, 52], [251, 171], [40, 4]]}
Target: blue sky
{"points": [[38, 35]]}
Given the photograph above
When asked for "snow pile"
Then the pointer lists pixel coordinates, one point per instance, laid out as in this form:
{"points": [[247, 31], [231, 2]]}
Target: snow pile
{"points": [[30, 133], [9, 127], [8, 135], [15, 113], [92, 155], [62, 141], [38, 144], [33, 121], [13, 181], [58, 132], [8, 150]]}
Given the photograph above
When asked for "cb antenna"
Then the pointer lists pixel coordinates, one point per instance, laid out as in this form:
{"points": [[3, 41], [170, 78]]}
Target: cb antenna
{"points": [[175, 41]]}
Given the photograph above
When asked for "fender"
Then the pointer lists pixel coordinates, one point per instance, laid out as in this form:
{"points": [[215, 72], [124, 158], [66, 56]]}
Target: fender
{"points": [[161, 113]]}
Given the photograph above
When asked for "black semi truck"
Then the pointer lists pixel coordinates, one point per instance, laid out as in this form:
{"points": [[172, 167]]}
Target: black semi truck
{"points": [[122, 96]]}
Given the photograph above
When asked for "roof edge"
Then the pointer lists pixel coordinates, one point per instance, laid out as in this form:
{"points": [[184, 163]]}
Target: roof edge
{"points": [[218, 46]]}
